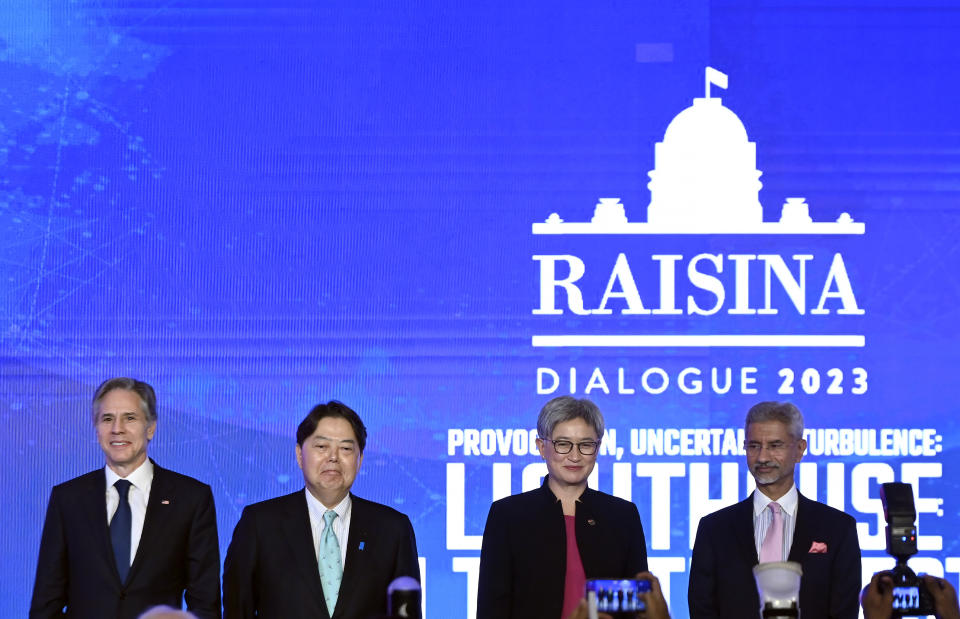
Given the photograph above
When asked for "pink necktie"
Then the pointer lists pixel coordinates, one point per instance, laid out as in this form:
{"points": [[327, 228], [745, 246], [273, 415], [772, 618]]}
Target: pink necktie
{"points": [[772, 546]]}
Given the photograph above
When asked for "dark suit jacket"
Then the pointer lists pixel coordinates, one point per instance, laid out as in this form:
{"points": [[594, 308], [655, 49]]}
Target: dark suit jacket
{"points": [[721, 577], [271, 567], [523, 560], [178, 556]]}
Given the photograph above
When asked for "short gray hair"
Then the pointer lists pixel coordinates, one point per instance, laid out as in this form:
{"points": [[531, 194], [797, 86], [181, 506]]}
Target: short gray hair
{"points": [[166, 612], [784, 412], [148, 398], [565, 408]]}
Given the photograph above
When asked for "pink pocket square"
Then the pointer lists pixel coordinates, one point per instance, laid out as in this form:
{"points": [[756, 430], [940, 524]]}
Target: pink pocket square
{"points": [[818, 548]]}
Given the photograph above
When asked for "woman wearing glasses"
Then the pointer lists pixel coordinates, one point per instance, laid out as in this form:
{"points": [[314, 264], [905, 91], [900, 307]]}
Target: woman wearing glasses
{"points": [[539, 547]]}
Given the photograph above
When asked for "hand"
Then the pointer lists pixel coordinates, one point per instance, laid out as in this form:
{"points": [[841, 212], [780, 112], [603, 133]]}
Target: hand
{"points": [[877, 597], [944, 597], [656, 605], [580, 612]]}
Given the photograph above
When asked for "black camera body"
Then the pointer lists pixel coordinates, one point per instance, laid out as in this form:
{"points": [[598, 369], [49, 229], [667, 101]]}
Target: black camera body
{"points": [[910, 595]]}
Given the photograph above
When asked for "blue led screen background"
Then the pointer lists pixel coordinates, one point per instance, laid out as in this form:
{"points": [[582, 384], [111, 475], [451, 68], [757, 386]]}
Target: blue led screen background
{"points": [[257, 207]]}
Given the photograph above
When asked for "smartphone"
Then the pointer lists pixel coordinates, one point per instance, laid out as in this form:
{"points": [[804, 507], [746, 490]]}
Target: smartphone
{"points": [[615, 596]]}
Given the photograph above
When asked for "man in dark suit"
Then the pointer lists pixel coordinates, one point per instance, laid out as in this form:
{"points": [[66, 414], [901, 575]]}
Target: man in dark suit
{"points": [[320, 552], [132, 535], [776, 523]]}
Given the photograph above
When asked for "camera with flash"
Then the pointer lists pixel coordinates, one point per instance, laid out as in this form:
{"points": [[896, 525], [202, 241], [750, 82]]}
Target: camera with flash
{"points": [[910, 595]]}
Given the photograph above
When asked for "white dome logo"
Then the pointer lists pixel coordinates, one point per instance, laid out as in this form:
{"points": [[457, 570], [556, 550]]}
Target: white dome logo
{"points": [[705, 181]]}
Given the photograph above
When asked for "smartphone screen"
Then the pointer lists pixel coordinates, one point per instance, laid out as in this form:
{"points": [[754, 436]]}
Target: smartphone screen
{"points": [[616, 597]]}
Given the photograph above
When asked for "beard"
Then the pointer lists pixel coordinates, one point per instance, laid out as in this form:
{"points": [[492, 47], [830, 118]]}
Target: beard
{"points": [[769, 477]]}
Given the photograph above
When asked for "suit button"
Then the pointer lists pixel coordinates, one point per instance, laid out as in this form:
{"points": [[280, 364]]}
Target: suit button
{"points": [[123, 595]]}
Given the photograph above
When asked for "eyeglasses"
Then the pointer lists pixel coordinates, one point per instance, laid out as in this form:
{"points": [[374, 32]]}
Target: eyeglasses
{"points": [[586, 448]]}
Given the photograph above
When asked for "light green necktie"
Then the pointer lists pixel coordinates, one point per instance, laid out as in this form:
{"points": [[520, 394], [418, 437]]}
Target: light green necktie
{"points": [[331, 570]]}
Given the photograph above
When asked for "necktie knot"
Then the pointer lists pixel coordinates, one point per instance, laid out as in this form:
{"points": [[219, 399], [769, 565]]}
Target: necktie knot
{"points": [[775, 508], [123, 487], [329, 516]]}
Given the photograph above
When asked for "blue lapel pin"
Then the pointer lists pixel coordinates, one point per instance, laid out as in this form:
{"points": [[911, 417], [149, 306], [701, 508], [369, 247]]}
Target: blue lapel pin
{"points": [[360, 547]]}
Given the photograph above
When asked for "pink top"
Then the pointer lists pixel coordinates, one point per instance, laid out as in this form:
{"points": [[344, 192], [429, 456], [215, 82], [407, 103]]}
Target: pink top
{"points": [[575, 579]]}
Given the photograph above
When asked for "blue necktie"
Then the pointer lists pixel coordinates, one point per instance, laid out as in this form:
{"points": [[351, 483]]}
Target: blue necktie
{"points": [[120, 530], [331, 570]]}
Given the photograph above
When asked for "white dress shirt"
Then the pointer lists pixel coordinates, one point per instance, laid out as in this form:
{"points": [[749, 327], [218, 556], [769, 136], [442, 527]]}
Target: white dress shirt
{"points": [[341, 524], [763, 518], [138, 496]]}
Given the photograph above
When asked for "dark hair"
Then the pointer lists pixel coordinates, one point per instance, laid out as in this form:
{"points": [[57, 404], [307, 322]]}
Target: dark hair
{"points": [[331, 409], [148, 398], [784, 412]]}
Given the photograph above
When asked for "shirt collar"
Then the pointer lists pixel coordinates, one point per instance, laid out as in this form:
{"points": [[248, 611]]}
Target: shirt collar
{"points": [[141, 478], [788, 502], [318, 509]]}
